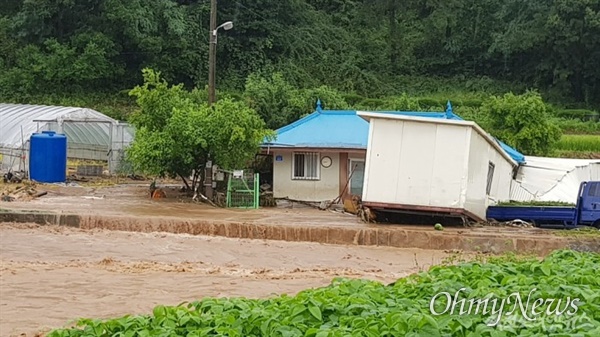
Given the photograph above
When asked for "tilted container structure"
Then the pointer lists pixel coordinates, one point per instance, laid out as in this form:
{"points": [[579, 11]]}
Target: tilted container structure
{"points": [[429, 165]]}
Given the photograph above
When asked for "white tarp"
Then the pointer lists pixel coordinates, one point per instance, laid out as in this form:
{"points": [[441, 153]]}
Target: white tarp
{"points": [[553, 179]]}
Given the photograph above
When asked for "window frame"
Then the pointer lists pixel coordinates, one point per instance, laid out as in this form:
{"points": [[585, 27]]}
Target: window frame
{"points": [[350, 167], [316, 163], [490, 178], [594, 190]]}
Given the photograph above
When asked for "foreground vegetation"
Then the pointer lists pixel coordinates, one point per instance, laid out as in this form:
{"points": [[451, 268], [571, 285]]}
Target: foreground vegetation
{"points": [[565, 282]]}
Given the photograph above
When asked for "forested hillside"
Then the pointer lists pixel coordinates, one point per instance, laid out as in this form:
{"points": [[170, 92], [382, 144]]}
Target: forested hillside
{"points": [[368, 48]]}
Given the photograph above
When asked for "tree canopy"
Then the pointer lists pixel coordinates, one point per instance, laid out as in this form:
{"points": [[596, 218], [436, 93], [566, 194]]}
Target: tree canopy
{"points": [[522, 121], [368, 48], [176, 135]]}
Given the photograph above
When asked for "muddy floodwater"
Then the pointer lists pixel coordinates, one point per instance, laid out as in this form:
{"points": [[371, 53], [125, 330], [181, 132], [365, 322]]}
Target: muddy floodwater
{"points": [[52, 275]]}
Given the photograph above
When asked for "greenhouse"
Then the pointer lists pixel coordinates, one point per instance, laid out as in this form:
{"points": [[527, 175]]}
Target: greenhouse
{"points": [[91, 135]]}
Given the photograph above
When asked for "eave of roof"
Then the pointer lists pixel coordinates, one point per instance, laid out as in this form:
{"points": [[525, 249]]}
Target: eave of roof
{"points": [[342, 129]]}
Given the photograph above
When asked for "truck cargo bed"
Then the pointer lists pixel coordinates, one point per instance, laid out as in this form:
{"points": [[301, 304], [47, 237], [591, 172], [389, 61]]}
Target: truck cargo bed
{"points": [[536, 214]]}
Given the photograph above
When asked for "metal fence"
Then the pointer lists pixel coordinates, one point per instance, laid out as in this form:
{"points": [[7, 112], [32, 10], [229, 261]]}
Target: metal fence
{"points": [[243, 190]]}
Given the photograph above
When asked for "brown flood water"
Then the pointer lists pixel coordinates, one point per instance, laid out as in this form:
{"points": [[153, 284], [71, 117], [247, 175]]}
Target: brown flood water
{"points": [[52, 275]]}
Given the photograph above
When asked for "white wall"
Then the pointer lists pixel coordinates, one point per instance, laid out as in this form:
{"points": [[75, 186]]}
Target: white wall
{"points": [[416, 163], [432, 164], [553, 179], [326, 188], [481, 152]]}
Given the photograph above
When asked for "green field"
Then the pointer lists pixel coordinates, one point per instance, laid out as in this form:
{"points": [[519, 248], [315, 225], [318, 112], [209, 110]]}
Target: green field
{"points": [[584, 143]]}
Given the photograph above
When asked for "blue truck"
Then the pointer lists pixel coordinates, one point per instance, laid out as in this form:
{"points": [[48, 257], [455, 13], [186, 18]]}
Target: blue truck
{"points": [[585, 213]]}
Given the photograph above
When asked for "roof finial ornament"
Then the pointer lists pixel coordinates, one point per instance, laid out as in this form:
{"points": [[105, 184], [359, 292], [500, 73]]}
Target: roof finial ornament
{"points": [[449, 112], [319, 105]]}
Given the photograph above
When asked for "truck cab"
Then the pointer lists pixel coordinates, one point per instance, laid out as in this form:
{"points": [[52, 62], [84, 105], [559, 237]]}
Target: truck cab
{"points": [[589, 204]]}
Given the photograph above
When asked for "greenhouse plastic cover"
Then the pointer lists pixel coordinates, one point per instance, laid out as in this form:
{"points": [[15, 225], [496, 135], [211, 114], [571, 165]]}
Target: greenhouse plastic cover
{"points": [[81, 125], [553, 179]]}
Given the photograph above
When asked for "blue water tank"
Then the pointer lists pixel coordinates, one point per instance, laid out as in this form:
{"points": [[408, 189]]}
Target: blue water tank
{"points": [[48, 157]]}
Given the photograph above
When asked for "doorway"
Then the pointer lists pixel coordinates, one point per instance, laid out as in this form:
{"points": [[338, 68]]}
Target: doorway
{"points": [[357, 178]]}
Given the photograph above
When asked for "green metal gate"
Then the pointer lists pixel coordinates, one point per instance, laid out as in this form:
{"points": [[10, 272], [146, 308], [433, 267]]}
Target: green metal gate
{"points": [[243, 190]]}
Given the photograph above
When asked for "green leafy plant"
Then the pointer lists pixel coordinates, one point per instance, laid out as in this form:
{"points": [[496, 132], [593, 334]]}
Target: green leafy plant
{"points": [[408, 307], [522, 121]]}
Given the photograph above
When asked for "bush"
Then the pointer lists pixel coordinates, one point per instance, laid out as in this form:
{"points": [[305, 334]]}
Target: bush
{"points": [[371, 104], [581, 114], [523, 122], [353, 99], [577, 126]]}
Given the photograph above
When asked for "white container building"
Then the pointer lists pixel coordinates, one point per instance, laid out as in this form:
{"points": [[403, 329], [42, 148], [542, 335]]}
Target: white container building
{"points": [[434, 165]]}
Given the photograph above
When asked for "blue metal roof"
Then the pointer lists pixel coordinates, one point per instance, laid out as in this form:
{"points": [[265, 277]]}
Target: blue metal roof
{"points": [[344, 129]]}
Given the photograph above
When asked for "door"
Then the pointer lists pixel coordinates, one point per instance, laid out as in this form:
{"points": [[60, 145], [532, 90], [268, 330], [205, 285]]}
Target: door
{"points": [[590, 209], [357, 178]]}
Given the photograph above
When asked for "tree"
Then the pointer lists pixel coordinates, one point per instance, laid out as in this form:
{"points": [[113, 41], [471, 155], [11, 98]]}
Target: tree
{"points": [[176, 135], [373, 48], [522, 121], [403, 103], [279, 103], [270, 97]]}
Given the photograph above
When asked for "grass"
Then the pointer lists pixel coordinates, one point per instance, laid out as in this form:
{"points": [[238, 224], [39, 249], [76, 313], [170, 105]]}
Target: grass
{"points": [[578, 127], [587, 232], [584, 143], [576, 154]]}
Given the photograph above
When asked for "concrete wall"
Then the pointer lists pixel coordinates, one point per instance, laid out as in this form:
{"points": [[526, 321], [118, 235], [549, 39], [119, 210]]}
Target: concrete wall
{"points": [[325, 188], [416, 163]]}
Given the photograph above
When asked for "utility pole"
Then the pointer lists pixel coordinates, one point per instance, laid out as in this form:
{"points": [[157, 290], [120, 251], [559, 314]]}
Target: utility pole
{"points": [[212, 53], [212, 60]]}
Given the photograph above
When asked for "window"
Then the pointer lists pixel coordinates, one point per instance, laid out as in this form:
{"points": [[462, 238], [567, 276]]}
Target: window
{"points": [[305, 166], [594, 190], [356, 180], [490, 178]]}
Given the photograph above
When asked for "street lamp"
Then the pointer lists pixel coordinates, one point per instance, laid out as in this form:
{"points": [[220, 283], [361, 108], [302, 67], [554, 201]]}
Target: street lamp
{"points": [[226, 26], [212, 58]]}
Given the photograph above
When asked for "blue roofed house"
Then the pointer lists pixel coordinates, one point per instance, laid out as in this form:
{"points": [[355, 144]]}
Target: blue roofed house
{"points": [[322, 156]]}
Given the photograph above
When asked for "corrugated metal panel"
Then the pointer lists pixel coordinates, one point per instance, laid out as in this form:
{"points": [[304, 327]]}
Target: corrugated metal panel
{"points": [[518, 193], [553, 179], [83, 126]]}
